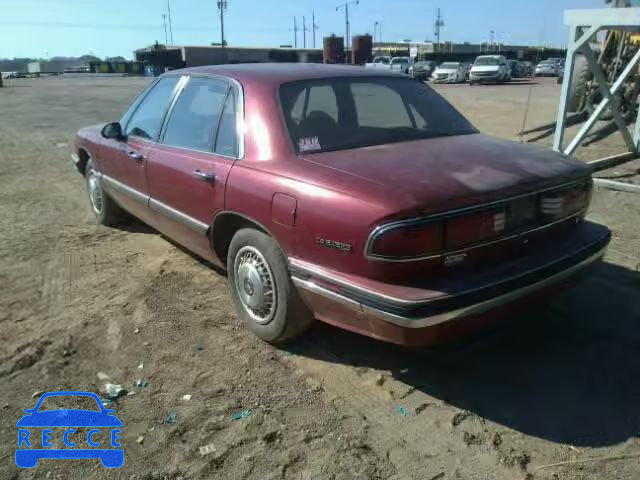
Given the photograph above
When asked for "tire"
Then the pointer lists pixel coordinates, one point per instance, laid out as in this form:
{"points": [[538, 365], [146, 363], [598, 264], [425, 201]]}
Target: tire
{"points": [[578, 87], [255, 258], [106, 210]]}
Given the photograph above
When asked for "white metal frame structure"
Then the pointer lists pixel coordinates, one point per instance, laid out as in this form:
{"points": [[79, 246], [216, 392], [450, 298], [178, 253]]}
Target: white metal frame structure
{"points": [[584, 25]]}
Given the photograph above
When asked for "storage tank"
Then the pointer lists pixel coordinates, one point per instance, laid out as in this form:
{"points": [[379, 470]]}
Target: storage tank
{"points": [[361, 49], [333, 49]]}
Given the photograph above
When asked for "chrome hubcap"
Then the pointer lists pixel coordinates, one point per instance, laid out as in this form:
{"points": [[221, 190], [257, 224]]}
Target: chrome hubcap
{"points": [[255, 285], [95, 193]]}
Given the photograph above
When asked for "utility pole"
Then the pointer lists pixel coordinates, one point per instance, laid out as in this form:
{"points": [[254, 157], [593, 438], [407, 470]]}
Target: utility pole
{"points": [[304, 32], [346, 18], [314, 27], [295, 32], [164, 20], [170, 24], [437, 26], [222, 6]]}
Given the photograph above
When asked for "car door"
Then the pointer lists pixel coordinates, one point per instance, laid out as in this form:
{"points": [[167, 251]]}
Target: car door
{"points": [[187, 171], [123, 161]]}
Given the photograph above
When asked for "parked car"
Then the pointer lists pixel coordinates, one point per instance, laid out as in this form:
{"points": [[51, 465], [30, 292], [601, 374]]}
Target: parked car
{"points": [[489, 68], [361, 199], [449, 72], [400, 64], [467, 70], [527, 68], [422, 69], [547, 68], [379, 62]]}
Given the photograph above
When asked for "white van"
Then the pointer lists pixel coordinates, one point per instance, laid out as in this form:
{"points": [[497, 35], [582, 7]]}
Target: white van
{"points": [[489, 68]]}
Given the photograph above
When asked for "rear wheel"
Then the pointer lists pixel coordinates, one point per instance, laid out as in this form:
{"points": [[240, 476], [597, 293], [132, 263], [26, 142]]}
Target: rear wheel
{"points": [[105, 209], [264, 295]]}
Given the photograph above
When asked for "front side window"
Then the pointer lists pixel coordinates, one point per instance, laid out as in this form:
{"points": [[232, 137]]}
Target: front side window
{"points": [[194, 119], [364, 111], [146, 121]]}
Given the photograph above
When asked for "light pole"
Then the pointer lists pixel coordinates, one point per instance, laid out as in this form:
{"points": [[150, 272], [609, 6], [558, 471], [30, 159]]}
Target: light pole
{"points": [[375, 29], [164, 21], [314, 27], [304, 32], [491, 35], [222, 6], [170, 25], [346, 18]]}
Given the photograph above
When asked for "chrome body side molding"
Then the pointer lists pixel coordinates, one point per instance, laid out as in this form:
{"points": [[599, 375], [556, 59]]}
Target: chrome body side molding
{"points": [[155, 205]]}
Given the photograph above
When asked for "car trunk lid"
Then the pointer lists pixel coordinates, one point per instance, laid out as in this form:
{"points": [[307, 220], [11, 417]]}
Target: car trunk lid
{"points": [[440, 174]]}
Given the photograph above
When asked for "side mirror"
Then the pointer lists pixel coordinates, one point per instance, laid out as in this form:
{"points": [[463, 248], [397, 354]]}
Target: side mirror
{"points": [[113, 131]]}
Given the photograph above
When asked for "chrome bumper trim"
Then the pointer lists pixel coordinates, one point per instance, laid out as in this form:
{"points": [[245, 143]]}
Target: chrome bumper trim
{"points": [[475, 309]]}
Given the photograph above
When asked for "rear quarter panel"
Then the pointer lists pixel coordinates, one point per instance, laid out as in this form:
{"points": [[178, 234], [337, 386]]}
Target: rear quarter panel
{"points": [[321, 213]]}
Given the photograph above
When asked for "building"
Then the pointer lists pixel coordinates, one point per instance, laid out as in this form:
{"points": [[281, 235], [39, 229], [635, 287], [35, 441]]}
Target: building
{"points": [[176, 56]]}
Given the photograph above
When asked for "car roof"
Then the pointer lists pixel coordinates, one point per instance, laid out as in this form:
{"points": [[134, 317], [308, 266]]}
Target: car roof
{"points": [[278, 73]]}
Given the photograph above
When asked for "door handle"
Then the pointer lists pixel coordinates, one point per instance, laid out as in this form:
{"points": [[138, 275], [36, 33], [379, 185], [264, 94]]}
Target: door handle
{"points": [[137, 156], [204, 176]]}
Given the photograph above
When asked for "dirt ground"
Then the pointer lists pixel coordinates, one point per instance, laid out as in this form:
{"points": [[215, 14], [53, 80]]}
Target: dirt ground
{"points": [[553, 394]]}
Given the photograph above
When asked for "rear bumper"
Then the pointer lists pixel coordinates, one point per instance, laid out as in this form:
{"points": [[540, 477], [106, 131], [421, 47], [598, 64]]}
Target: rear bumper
{"points": [[398, 320]]}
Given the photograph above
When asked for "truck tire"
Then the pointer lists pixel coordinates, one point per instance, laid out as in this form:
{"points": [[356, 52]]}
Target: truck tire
{"points": [[578, 87]]}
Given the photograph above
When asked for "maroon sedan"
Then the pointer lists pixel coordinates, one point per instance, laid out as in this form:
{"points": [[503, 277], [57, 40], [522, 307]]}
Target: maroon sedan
{"points": [[359, 198]]}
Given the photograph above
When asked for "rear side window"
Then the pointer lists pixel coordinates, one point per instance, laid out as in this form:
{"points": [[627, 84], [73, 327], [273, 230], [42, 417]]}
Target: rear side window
{"points": [[147, 120], [226, 142], [194, 119]]}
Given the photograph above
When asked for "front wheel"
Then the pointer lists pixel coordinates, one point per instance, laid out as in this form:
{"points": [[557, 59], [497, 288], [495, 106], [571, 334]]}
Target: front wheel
{"points": [[105, 209], [265, 298]]}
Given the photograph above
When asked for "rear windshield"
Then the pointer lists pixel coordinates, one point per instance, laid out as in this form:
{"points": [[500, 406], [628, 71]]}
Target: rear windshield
{"points": [[487, 61], [352, 112]]}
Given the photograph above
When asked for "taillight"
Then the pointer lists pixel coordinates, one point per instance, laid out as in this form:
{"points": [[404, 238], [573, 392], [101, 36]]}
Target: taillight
{"points": [[409, 241], [474, 227], [560, 204], [447, 232]]}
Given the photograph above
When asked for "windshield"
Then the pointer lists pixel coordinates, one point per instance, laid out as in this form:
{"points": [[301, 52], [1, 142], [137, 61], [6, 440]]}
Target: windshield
{"points": [[399, 60], [487, 61], [381, 60], [352, 112], [449, 65], [422, 63]]}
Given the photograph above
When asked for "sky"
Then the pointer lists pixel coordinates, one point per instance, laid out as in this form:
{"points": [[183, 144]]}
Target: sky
{"points": [[48, 28]]}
